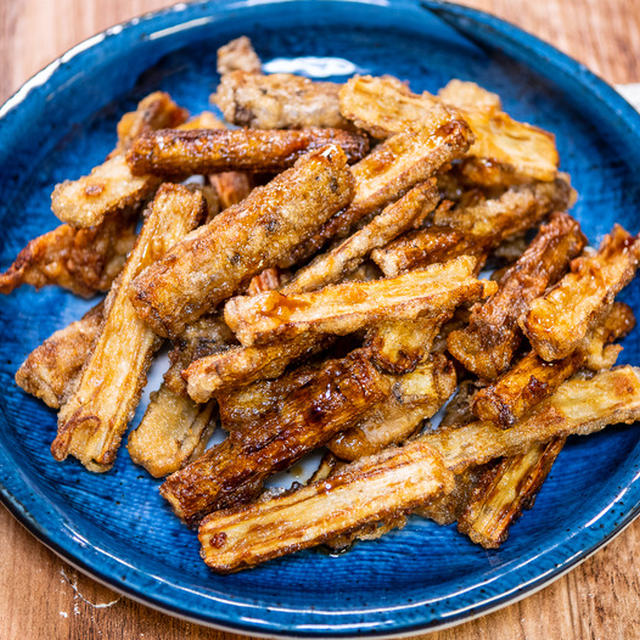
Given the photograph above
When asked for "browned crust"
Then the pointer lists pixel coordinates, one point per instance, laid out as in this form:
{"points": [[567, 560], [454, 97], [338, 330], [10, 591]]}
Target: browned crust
{"points": [[396, 481], [176, 153], [487, 345], [233, 471], [278, 101], [52, 369], [557, 322], [92, 421], [214, 261], [232, 187]]}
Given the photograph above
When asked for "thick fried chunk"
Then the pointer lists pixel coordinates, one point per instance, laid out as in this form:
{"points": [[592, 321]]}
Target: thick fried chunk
{"points": [[178, 154], [557, 322], [487, 345], [532, 379], [279, 101], [374, 489], [344, 308], [233, 471], [214, 261], [238, 54], [92, 421], [51, 370]]}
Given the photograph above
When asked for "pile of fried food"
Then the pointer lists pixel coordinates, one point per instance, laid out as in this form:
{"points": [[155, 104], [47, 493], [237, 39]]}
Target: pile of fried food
{"points": [[319, 288]]}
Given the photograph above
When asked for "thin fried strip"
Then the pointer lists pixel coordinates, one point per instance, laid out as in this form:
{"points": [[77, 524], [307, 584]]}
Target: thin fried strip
{"points": [[92, 421], [110, 186], [476, 228], [174, 430], [395, 219], [51, 370], [233, 471], [557, 322], [175, 153], [344, 308], [232, 187], [278, 101], [384, 106], [488, 343], [238, 54], [373, 489], [82, 260], [215, 260], [502, 492], [532, 379]]}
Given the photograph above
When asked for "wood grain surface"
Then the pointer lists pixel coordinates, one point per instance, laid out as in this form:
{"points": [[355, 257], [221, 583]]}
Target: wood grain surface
{"points": [[42, 597]]}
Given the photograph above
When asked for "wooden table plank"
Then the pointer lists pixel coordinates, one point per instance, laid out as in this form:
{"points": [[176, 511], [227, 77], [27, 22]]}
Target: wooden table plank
{"points": [[42, 597]]}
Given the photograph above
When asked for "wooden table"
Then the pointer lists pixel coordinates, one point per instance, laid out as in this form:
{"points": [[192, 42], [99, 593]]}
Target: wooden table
{"points": [[42, 597]]}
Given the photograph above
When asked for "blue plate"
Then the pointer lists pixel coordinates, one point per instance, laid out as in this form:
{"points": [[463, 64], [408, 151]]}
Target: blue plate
{"points": [[115, 526]]}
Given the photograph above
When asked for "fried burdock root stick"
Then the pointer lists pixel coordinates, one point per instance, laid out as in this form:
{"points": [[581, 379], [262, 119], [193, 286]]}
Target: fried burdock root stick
{"points": [[487, 345], [234, 471], [245, 536], [532, 379], [51, 370], [390, 484], [344, 308], [475, 229], [214, 261], [384, 106], [278, 101], [409, 211], [82, 260], [110, 186], [92, 421], [177, 154], [557, 322]]}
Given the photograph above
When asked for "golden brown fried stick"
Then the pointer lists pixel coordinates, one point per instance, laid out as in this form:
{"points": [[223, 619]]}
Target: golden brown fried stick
{"points": [[232, 187], [532, 379], [178, 154], [238, 54], [407, 212], [384, 106], [92, 421], [501, 493], [51, 370], [558, 321], [476, 228], [487, 345], [215, 260], [278, 101], [344, 308], [247, 535], [82, 260], [395, 482], [174, 430], [110, 186], [233, 471]]}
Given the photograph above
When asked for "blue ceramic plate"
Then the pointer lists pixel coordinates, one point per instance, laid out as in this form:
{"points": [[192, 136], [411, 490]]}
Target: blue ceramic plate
{"points": [[115, 526]]}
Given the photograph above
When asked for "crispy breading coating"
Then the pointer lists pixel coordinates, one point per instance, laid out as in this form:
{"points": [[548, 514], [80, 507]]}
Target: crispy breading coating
{"points": [[532, 379], [409, 211], [487, 345], [279, 101], [233, 471], [111, 187], [213, 262], [52, 369], [92, 421], [344, 308], [174, 430], [238, 54], [394, 481], [177, 154], [557, 322], [82, 260], [384, 106]]}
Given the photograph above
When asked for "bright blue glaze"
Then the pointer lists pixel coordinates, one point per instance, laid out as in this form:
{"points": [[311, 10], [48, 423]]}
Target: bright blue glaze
{"points": [[116, 526]]}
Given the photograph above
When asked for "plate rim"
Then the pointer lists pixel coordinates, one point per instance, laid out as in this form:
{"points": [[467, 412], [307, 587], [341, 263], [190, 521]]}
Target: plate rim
{"points": [[510, 37]]}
